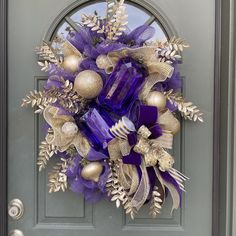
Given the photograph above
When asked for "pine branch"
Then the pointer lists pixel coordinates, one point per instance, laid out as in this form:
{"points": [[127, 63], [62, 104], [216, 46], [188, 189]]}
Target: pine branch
{"points": [[186, 109], [57, 177], [155, 203]]}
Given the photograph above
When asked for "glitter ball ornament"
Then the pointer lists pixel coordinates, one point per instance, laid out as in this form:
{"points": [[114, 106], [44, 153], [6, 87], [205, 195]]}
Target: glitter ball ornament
{"points": [[92, 171], [156, 99], [88, 84]]}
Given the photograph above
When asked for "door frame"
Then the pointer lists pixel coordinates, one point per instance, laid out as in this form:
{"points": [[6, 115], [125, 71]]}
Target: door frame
{"points": [[3, 118], [224, 176]]}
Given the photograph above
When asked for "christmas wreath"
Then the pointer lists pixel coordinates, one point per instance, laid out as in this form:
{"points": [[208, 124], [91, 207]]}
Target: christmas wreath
{"points": [[111, 105]]}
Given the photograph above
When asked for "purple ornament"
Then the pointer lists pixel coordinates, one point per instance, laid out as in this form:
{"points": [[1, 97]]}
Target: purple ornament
{"points": [[123, 85], [98, 127]]}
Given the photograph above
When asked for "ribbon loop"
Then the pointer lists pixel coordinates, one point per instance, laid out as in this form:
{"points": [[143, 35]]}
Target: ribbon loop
{"points": [[58, 138]]}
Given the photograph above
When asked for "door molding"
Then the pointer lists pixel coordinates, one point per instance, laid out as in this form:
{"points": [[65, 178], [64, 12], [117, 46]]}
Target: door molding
{"points": [[3, 117], [225, 127], [224, 166]]}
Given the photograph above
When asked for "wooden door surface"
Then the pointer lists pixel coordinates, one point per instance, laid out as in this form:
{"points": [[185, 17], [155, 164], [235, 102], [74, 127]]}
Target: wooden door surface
{"points": [[62, 214]]}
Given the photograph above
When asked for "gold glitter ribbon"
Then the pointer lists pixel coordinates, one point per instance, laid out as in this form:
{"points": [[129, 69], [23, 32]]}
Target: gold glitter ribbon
{"points": [[152, 150], [60, 139]]}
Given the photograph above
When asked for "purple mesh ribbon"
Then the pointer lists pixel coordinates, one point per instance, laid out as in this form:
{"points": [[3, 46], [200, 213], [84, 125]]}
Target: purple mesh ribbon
{"points": [[91, 190], [138, 36]]}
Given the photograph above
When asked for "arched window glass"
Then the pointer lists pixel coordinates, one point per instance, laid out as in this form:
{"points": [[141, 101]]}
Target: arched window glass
{"points": [[137, 15]]}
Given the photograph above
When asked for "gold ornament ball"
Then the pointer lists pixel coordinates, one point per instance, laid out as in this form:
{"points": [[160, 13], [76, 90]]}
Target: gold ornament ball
{"points": [[88, 84], [92, 171], [71, 63], [156, 99]]}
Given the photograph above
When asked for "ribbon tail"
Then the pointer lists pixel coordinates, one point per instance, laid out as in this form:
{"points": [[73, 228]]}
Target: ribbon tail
{"points": [[160, 183], [143, 190], [174, 194]]}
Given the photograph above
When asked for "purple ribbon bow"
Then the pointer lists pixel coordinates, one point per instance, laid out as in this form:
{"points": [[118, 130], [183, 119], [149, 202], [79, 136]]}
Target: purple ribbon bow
{"points": [[141, 115]]}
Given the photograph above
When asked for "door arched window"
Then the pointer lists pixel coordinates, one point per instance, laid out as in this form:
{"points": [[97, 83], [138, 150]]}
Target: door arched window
{"points": [[70, 18]]}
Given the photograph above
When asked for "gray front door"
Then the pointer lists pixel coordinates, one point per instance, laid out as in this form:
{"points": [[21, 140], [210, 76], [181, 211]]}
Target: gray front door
{"points": [[64, 214]]}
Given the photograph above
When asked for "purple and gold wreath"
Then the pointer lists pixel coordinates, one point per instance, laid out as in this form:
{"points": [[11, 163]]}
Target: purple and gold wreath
{"points": [[110, 105]]}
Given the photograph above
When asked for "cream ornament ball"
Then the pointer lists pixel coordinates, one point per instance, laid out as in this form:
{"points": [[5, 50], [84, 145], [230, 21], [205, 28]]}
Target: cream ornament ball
{"points": [[88, 84], [69, 128], [92, 171], [156, 99], [103, 62], [71, 63]]}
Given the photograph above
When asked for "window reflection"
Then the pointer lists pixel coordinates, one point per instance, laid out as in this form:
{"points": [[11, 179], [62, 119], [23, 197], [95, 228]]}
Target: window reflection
{"points": [[159, 34]]}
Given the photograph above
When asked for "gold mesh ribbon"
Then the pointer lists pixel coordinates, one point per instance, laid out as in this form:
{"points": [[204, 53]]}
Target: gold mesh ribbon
{"points": [[128, 177], [142, 191], [165, 141], [60, 139], [169, 122]]}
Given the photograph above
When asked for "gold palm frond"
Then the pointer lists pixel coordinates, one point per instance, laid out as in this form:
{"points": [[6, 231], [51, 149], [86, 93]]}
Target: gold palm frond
{"points": [[46, 151], [57, 177], [65, 96], [186, 109], [156, 201], [118, 193]]}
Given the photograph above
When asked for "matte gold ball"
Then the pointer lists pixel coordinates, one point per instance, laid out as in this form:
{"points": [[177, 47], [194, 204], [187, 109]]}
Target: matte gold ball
{"points": [[71, 63], [88, 84], [156, 99], [92, 171]]}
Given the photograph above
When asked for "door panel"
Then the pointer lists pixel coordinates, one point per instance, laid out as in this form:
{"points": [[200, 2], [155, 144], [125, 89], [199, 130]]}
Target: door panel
{"points": [[68, 214]]}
